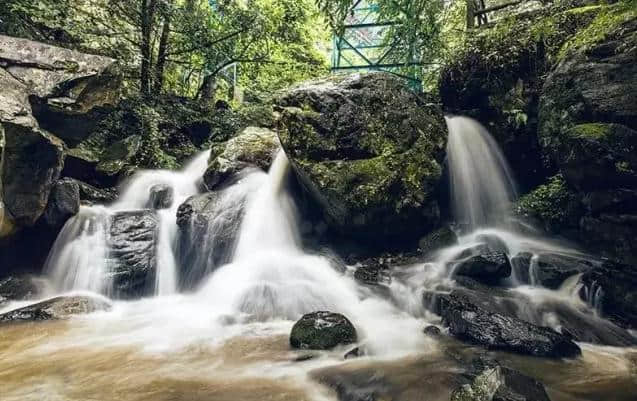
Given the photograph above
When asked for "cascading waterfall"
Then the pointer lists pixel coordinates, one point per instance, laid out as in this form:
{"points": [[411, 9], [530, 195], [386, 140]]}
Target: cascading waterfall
{"points": [[80, 257], [482, 186]]}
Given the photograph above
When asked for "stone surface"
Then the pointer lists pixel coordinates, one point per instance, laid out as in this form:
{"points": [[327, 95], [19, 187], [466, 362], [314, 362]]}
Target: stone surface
{"points": [[368, 151], [18, 288], [57, 308], [252, 147], [66, 84], [612, 289], [484, 264], [161, 197], [133, 240], [64, 202], [322, 330], [32, 163], [474, 324], [437, 239], [208, 229], [489, 381]]}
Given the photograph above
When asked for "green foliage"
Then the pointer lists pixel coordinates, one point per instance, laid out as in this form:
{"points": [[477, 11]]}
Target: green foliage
{"points": [[553, 203], [183, 46]]}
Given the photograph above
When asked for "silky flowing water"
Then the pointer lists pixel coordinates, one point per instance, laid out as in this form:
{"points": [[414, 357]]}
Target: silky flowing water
{"points": [[226, 337]]}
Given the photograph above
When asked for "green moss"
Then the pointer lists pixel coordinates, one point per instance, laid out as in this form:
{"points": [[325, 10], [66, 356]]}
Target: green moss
{"points": [[553, 203], [608, 18], [596, 131]]}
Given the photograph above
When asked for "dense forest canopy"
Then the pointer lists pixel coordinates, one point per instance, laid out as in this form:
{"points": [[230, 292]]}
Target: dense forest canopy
{"points": [[183, 46]]}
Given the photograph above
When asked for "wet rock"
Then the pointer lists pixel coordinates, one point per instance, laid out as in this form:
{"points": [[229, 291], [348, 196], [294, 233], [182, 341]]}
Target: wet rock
{"points": [[161, 197], [93, 195], [573, 321], [483, 264], [367, 151], [438, 239], [471, 323], [64, 203], [550, 270], [432, 331], [208, 229], [17, 288], [612, 289], [489, 381], [117, 156], [353, 353], [133, 240], [56, 308], [253, 147], [322, 330], [373, 272]]}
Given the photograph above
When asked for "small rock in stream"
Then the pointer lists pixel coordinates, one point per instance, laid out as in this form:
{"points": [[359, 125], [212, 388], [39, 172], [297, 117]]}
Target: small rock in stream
{"points": [[322, 330]]}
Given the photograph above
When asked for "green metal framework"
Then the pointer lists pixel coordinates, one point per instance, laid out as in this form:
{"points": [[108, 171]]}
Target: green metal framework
{"points": [[364, 46]]}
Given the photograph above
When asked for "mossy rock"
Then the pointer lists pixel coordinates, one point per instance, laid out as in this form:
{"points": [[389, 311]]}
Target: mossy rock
{"points": [[368, 151], [253, 147], [322, 330]]}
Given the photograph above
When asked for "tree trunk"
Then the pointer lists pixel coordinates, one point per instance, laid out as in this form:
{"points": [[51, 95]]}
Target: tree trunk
{"points": [[147, 15], [208, 87], [161, 55]]}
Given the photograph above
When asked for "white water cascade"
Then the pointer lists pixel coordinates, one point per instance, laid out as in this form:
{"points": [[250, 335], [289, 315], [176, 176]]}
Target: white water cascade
{"points": [[482, 186], [79, 259]]}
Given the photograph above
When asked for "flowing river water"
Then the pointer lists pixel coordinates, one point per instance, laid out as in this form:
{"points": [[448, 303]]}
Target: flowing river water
{"points": [[226, 337]]}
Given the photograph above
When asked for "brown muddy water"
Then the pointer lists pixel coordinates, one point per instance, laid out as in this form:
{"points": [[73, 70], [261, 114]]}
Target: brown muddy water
{"points": [[49, 361]]}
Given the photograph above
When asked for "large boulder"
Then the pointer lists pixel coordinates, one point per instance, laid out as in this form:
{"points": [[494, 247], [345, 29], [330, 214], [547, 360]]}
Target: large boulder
{"points": [[133, 243], [549, 270], [322, 330], [368, 151], [208, 227], [477, 325], [57, 308], [252, 147], [484, 264], [32, 163], [65, 85]]}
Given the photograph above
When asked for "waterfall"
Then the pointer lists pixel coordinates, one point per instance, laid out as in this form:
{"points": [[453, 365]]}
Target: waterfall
{"points": [[81, 256], [482, 186]]}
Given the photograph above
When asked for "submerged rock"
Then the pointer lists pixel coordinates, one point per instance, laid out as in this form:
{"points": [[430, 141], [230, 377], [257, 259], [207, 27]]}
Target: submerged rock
{"points": [[474, 324], [133, 241], [489, 381], [368, 151], [252, 147], [322, 330], [64, 202], [612, 289], [56, 308], [161, 197]]}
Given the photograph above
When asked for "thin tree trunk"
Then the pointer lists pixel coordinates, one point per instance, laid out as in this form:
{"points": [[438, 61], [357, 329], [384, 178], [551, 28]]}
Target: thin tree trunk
{"points": [[147, 15], [161, 55], [208, 87]]}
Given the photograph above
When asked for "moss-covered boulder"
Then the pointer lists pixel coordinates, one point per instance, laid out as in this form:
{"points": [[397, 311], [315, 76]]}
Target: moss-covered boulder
{"points": [[252, 147], [588, 129], [368, 151], [322, 330]]}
